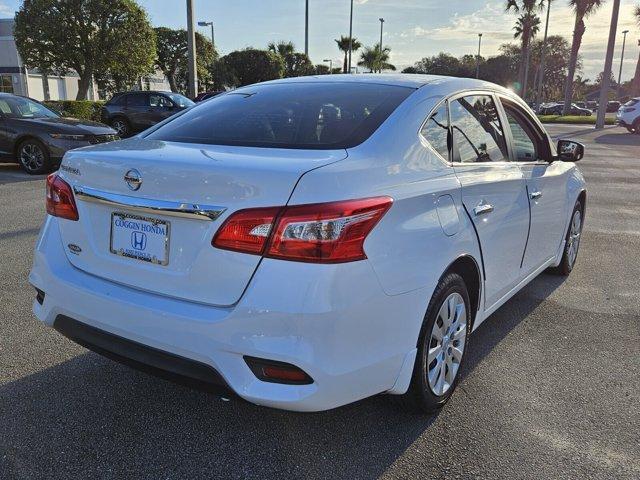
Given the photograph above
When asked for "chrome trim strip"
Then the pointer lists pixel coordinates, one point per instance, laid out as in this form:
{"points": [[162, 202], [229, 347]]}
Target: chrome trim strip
{"points": [[162, 207]]}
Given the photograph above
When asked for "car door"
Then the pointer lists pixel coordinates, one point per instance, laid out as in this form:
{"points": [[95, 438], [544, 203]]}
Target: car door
{"points": [[493, 190], [136, 109], [160, 107], [546, 184], [6, 132]]}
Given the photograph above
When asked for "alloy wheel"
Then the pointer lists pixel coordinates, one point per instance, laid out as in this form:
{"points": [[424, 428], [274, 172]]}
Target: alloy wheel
{"points": [[446, 344], [31, 156], [573, 241], [120, 126]]}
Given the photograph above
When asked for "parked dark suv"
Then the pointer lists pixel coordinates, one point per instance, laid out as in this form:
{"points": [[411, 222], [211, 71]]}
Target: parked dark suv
{"points": [[131, 112]]}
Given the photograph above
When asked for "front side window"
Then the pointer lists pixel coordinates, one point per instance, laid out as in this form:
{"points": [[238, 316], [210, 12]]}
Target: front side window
{"points": [[524, 140], [313, 115], [436, 130], [156, 100], [477, 133]]}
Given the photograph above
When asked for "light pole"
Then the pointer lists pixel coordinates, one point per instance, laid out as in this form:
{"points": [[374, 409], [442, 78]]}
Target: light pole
{"points": [[542, 59], [330, 64], [381, 27], [606, 79], [350, 35], [209, 24], [478, 57], [624, 40], [191, 49], [306, 28]]}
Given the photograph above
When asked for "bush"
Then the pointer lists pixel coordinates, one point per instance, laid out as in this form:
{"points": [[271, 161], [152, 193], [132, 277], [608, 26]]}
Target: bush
{"points": [[574, 119], [82, 109]]}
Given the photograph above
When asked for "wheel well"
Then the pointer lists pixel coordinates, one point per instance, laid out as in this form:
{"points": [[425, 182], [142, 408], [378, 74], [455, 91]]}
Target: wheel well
{"points": [[19, 141], [468, 269], [583, 200]]}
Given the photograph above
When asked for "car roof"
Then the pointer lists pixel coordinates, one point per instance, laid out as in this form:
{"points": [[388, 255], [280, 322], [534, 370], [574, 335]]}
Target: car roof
{"points": [[411, 80]]}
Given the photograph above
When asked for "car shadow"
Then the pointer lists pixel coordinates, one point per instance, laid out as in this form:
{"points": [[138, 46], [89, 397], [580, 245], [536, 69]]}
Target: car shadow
{"points": [[88, 416], [13, 173], [623, 138]]}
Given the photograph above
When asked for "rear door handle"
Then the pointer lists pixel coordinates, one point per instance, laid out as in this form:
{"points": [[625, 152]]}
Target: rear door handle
{"points": [[535, 195], [483, 209]]}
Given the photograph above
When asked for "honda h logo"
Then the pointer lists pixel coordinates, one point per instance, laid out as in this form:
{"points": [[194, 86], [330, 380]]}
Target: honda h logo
{"points": [[139, 240]]}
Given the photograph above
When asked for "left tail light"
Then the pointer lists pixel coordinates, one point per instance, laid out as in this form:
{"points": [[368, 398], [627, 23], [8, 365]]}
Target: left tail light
{"points": [[319, 233], [60, 201]]}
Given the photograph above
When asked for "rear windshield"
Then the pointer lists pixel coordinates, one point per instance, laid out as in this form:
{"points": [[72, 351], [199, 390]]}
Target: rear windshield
{"points": [[287, 115], [631, 102]]}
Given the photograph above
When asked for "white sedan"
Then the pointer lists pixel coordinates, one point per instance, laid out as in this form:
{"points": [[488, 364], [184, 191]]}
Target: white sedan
{"points": [[309, 242]]}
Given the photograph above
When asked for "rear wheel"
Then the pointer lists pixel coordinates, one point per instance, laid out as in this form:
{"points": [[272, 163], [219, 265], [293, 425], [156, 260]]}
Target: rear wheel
{"points": [[34, 157], [122, 126], [636, 127], [441, 347]]}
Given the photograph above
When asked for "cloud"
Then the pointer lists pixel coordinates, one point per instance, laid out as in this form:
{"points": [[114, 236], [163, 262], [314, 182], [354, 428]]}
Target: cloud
{"points": [[5, 9]]}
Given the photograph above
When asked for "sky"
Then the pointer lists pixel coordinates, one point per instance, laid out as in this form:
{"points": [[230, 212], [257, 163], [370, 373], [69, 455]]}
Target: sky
{"points": [[413, 28]]}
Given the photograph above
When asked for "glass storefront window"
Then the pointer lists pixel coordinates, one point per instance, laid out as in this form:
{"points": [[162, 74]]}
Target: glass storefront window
{"points": [[6, 83]]}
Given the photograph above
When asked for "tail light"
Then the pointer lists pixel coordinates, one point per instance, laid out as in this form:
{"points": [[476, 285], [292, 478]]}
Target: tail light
{"points": [[323, 233], [60, 201]]}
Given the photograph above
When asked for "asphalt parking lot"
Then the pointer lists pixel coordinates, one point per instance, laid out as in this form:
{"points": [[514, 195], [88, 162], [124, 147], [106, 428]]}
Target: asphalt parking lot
{"points": [[551, 386]]}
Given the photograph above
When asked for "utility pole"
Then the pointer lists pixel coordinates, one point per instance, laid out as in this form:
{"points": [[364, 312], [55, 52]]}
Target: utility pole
{"points": [[350, 36], [478, 57], [381, 26], [306, 28], [624, 41], [191, 47], [542, 57], [606, 79]]}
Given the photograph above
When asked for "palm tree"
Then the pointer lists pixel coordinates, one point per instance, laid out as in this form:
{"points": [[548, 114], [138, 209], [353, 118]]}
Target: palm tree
{"points": [[376, 60], [635, 86], [582, 9], [343, 46], [282, 48], [526, 28]]}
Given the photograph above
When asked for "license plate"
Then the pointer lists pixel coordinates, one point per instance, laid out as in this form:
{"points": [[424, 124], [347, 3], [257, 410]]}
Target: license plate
{"points": [[142, 238]]}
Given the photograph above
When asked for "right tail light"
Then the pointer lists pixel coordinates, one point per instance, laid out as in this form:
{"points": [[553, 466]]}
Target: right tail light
{"points": [[320, 233]]}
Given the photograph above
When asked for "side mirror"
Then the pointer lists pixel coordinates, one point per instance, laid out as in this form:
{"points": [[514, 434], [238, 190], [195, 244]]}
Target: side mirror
{"points": [[570, 151]]}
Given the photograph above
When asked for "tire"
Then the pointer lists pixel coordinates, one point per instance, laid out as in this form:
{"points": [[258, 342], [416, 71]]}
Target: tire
{"points": [[636, 127], [428, 391], [121, 125], [572, 242], [33, 156]]}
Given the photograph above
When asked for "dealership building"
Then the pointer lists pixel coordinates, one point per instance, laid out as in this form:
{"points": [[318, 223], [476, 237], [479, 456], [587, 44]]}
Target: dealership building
{"points": [[16, 78]]}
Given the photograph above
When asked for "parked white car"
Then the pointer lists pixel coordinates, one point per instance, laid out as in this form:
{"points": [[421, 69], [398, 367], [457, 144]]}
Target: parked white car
{"points": [[628, 116], [310, 242]]}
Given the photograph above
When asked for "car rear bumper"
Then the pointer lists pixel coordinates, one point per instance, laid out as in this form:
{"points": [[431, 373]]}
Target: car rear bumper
{"points": [[332, 321]]}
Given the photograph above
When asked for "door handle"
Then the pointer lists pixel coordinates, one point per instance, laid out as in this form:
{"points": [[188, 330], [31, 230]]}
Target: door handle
{"points": [[482, 209], [535, 195]]}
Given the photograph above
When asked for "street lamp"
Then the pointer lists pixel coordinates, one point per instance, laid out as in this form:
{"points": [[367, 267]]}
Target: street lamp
{"points": [[478, 57], [624, 40], [330, 64], [350, 35], [542, 57], [381, 27], [209, 24]]}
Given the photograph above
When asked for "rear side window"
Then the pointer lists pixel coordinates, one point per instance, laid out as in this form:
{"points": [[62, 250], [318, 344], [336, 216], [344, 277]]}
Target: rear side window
{"points": [[436, 130], [137, 100], [477, 133], [288, 115], [117, 100]]}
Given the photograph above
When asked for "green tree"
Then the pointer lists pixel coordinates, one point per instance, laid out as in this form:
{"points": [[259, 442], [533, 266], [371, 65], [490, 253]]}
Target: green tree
{"points": [[172, 57], [527, 26], [582, 10], [91, 37], [244, 67], [376, 60], [441, 64], [282, 48], [343, 46]]}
